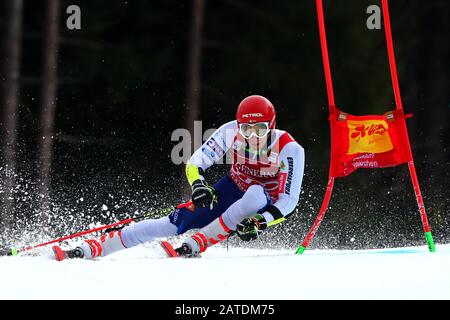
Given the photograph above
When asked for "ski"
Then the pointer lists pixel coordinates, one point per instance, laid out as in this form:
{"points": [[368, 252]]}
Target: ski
{"points": [[61, 254]]}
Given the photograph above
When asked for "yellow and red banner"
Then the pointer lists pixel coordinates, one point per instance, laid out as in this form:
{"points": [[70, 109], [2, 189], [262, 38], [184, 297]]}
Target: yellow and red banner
{"points": [[374, 141]]}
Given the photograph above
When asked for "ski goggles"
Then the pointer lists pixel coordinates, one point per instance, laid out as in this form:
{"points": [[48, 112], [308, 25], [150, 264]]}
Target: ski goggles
{"points": [[260, 129]]}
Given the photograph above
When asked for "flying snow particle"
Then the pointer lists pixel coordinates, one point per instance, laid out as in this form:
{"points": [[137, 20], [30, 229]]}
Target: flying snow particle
{"points": [[104, 207]]}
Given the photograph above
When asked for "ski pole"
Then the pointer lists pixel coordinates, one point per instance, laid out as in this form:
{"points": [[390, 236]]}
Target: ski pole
{"points": [[147, 215]]}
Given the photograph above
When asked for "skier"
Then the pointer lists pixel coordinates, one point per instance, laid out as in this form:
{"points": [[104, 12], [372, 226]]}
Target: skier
{"points": [[261, 189]]}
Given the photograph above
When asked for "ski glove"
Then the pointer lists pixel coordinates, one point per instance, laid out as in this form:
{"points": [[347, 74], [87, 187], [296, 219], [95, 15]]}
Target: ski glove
{"points": [[203, 195], [250, 228]]}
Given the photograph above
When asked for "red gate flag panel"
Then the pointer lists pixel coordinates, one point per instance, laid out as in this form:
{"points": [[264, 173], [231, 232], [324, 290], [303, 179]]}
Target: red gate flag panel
{"points": [[372, 141]]}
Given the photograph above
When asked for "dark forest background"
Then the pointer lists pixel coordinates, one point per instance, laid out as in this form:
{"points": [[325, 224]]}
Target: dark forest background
{"points": [[87, 115]]}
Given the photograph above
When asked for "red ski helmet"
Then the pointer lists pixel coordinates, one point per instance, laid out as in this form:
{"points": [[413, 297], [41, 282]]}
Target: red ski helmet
{"points": [[255, 109]]}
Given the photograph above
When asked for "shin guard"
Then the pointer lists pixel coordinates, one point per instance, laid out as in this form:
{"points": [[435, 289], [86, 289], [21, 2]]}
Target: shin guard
{"points": [[107, 244], [213, 233]]}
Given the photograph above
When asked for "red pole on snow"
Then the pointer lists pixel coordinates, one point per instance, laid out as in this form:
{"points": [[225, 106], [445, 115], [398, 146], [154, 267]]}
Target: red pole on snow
{"points": [[332, 108], [399, 105], [323, 210]]}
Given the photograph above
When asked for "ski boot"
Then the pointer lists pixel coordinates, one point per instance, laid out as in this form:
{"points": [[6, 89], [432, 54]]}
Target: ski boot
{"points": [[184, 251], [60, 254]]}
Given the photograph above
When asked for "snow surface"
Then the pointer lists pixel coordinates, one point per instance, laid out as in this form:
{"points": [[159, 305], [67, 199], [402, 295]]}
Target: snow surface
{"points": [[144, 273]]}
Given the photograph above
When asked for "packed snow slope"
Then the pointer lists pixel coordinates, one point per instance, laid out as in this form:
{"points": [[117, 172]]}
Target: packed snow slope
{"points": [[144, 273]]}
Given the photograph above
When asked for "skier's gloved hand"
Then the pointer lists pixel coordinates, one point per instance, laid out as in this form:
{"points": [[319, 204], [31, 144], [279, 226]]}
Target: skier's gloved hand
{"points": [[250, 228], [203, 195]]}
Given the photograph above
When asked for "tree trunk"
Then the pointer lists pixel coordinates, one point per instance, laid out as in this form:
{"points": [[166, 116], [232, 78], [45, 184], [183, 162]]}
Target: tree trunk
{"points": [[49, 94], [193, 78], [11, 101]]}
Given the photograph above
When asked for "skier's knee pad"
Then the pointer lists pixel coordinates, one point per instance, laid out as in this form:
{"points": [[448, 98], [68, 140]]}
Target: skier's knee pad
{"points": [[107, 244]]}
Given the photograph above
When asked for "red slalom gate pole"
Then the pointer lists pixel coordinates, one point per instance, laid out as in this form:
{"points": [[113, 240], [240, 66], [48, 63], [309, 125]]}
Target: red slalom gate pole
{"points": [[399, 105], [325, 56], [332, 108], [323, 210], [150, 214]]}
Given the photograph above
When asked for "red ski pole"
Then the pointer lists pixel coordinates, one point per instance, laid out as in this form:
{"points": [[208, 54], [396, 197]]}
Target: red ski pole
{"points": [[147, 215]]}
